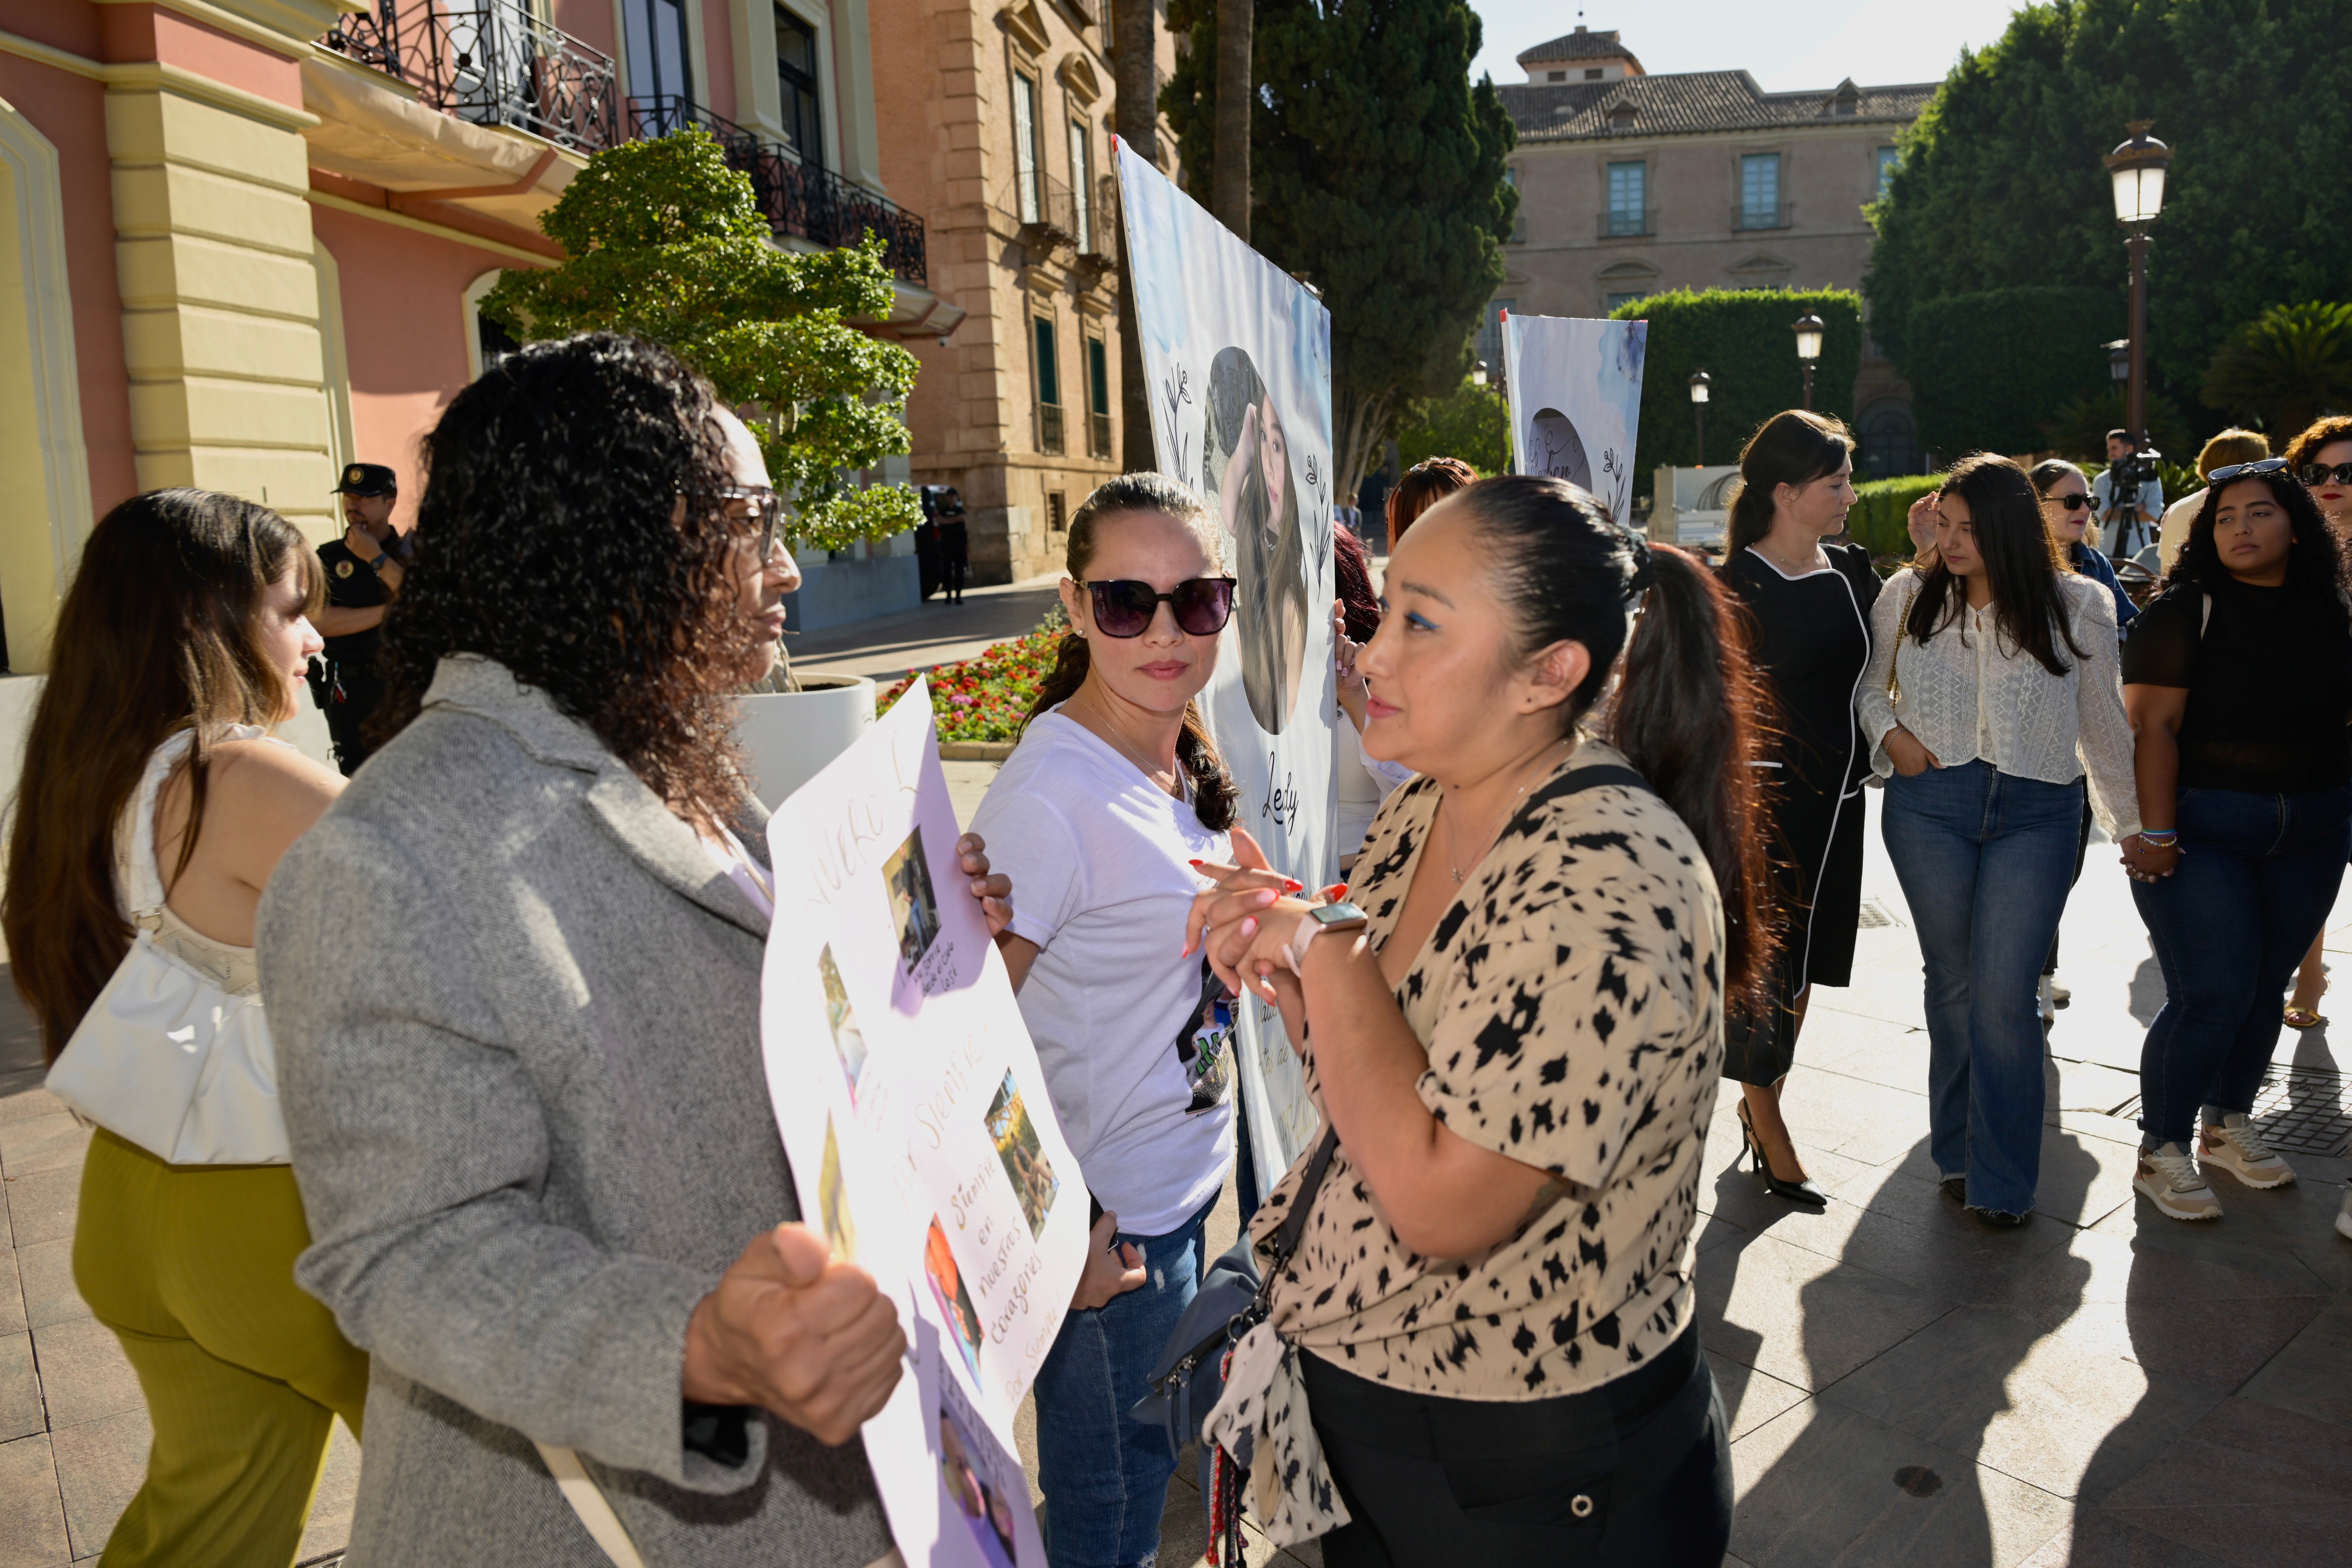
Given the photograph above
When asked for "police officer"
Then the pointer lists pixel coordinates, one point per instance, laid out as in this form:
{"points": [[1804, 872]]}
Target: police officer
{"points": [[363, 572]]}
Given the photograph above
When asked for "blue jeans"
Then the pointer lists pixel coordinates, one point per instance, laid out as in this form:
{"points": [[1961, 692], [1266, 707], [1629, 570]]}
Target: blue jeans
{"points": [[1105, 1477], [1985, 860], [2258, 875]]}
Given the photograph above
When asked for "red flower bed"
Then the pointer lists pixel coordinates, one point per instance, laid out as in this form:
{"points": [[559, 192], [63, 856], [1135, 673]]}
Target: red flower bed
{"points": [[986, 697]]}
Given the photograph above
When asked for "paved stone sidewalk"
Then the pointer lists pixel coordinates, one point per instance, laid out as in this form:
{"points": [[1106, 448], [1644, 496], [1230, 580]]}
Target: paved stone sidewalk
{"points": [[2105, 1388]]}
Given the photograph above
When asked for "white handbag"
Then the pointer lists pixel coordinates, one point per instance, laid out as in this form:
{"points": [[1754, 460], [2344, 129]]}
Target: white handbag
{"points": [[175, 1054]]}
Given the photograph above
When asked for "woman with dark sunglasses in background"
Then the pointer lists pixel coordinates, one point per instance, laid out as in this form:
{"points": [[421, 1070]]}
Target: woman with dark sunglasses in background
{"points": [[2321, 456], [2239, 682], [1112, 798]]}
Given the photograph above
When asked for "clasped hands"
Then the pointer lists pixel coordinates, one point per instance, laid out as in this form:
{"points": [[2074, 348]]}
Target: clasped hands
{"points": [[1247, 923], [791, 1329]]}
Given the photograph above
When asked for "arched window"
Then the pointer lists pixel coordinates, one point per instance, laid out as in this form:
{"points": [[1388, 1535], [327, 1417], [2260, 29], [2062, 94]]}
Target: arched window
{"points": [[1890, 442]]}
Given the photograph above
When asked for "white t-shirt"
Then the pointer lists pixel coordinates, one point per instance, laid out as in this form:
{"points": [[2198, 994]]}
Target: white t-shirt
{"points": [[1097, 854], [1364, 784]]}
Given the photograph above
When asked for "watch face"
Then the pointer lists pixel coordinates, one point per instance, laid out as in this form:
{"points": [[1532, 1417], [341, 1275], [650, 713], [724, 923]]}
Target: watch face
{"points": [[1336, 914]]}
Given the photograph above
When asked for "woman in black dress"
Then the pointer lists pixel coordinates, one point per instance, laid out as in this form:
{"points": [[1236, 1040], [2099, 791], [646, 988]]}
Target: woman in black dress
{"points": [[1811, 604]]}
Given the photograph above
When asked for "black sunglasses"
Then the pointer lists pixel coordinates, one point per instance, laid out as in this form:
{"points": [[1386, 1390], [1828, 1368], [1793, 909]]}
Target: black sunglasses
{"points": [[1124, 609], [2072, 503], [2245, 470], [2320, 473]]}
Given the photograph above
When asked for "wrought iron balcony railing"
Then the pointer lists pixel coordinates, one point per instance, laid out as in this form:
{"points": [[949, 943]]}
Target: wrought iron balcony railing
{"points": [[492, 62], [798, 198], [1049, 428], [1098, 435]]}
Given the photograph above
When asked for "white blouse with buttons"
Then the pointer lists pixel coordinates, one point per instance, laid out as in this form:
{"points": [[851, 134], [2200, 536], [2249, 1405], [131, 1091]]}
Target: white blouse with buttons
{"points": [[1968, 695]]}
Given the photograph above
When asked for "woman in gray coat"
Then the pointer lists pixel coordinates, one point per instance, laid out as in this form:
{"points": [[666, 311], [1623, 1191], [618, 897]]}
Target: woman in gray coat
{"points": [[514, 976]]}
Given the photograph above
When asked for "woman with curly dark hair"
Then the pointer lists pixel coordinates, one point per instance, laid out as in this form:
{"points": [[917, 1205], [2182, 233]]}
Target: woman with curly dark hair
{"points": [[2238, 680], [515, 974]]}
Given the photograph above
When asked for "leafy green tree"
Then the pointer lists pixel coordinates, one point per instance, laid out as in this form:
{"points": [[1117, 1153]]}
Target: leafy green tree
{"points": [[1988, 369], [663, 240], [1376, 174], [1468, 423], [2285, 368], [2000, 181], [2079, 427]]}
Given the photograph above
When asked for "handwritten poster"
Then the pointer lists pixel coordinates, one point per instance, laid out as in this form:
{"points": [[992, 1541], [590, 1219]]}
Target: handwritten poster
{"points": [[1575, 389], [1238, 357], [914, 1109]]}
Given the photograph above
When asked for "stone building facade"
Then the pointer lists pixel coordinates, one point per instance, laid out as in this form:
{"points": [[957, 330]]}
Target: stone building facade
{"points": [[996, 121], [1629, 184]]}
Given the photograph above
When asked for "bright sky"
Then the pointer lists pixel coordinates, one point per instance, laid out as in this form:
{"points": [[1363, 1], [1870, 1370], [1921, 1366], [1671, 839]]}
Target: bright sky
{"points": [[1788, 44]]}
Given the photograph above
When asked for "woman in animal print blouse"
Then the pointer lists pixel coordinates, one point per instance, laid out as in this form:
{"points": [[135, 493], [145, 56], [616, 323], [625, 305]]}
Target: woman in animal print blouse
{"points": [[1519, 1050]]}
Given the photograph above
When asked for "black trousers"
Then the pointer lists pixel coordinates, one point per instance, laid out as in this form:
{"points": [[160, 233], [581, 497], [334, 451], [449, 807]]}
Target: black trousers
{"points": [[955, 556], [1636, 1472], [363, 693]]}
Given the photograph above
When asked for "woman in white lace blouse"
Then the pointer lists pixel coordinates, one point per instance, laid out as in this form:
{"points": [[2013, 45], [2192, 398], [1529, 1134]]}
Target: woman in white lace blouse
{"points": [[1992, 689]]}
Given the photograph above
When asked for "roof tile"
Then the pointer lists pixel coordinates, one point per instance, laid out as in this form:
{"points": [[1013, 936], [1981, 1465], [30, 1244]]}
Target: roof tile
{"points": [[1693, 101]]}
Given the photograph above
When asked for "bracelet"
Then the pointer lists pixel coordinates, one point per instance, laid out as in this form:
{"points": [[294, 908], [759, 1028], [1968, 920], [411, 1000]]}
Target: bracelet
{"points": [[2160, 837]]}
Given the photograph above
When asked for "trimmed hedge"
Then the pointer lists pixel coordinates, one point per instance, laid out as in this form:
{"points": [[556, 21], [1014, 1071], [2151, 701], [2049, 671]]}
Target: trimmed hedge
{"points": [[1882, 510], [1987, 370], [1742, 339]]}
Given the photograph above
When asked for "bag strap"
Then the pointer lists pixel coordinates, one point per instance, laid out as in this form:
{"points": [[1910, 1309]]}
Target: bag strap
{"points": [[146, 874], [588, 1500]]}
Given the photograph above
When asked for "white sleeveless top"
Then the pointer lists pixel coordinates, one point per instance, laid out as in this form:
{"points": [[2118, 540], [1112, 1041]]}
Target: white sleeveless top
{"points": [[139, 876]]}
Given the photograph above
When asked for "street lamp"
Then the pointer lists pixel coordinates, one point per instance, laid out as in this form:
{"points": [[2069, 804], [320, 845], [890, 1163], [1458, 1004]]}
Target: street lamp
{"points": [[1698, 386], [2137, 168], [1808, 328], [2119, 359]]}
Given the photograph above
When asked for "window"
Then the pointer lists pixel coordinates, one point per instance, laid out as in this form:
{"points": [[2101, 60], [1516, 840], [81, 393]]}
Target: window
{"points": [[796, 87], [1592, 74], [1554, 75], [1628, 198], [1490, 336], [1046, 374], [1617, 299], [1097, 399], [1888, 158], [1025, 161], [1759, 190], [1057, 512], [653, 35], [1519, 212], [1082, 181]]}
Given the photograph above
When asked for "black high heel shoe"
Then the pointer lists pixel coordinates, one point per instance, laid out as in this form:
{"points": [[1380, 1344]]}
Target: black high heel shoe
{"points": [[1798, 1192]]}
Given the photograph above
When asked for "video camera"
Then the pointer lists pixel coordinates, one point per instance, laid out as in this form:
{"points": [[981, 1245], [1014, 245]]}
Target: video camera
{"points": [[2126, 474]]}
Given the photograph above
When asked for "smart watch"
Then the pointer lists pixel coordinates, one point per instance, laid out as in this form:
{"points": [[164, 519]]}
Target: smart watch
{"points": [[1341, 915]]}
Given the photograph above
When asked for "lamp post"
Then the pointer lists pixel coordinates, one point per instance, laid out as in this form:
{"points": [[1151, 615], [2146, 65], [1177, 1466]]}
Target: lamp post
{"points": [[1698, 386], [2137, 169], [1808, 328]]}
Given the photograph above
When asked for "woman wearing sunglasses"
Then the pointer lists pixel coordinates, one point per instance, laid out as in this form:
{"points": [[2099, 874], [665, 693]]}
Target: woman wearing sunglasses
{"points": [[1100, 815], [2322, 459], [2238, 680]]}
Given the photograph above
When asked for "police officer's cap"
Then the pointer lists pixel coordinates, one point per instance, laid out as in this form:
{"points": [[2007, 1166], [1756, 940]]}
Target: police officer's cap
{"points": [[367, 480]]}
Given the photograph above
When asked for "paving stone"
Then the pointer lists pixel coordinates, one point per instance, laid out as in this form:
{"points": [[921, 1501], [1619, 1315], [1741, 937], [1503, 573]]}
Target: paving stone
{"points": [[42, 1143], [45, 1271], [12, 1297], [100, 1465], [41, 1205], [84, 1374], [32, 1520], [29, 1103], [1990, 1384], [2098, 1539], [1751, 1398], [1801, 1317], [2083, 1180], [1907, 1230], [20, 1390], [2314, 1373], [1823, 1484], [329, 1527], [2251, 1485]]}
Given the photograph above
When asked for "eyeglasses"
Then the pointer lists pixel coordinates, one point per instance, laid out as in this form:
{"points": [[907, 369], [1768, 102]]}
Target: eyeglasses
{"points": [[2075, 502], [1124, 609], [2245, 470], [2320, 473], [766, 505]]}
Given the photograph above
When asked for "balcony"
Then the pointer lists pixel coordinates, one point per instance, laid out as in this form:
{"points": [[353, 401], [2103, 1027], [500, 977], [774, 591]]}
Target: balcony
{"points": [[1049, 428], [1745, 216], [491, 62], [1620, 223], [1052, 217], [1098, 435]]}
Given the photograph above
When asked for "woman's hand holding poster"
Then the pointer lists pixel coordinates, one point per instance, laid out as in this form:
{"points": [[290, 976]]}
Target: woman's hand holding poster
{"points": [[914, 1110]]}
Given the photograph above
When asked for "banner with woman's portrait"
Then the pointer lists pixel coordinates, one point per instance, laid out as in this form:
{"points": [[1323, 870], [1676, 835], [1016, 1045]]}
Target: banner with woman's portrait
{"points": [[1237, 359], [1575, 390]]}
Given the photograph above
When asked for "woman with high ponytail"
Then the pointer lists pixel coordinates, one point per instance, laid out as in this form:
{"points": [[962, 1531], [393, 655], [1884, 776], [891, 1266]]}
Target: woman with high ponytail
{"points": [[1101, 815], [1514, 1031]]}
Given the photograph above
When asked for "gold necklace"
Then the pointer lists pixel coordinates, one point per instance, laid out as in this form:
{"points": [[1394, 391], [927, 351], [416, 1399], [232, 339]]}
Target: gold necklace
{"points": [[1119, 744], [1453, 862]]}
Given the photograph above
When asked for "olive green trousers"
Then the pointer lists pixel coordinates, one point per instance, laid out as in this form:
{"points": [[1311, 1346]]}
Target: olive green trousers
{"points": [[192, 1267]]}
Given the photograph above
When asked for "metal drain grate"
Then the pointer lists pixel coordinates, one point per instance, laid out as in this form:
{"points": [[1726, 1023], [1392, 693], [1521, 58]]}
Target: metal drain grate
{"points": [[1876, 916], [2299, 1110]]}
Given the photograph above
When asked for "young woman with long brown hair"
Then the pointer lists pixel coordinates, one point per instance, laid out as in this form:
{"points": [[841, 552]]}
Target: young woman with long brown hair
{"points": [[1115, 795], [1810, 603], [1991, 692], [186, 636], [1516, 1042]]}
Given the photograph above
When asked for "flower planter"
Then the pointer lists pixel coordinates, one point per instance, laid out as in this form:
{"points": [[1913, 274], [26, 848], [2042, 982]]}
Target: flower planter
{"points": [[788, 736]]}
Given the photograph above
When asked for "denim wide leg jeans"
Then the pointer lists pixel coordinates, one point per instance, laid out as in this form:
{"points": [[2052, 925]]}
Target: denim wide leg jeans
{"points": [[1985, 860], [2258, 874], [1105, 1477]]}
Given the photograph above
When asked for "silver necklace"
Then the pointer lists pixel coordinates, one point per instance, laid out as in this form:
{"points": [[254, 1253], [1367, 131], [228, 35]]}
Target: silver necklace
{"points": [[1454, 864]]}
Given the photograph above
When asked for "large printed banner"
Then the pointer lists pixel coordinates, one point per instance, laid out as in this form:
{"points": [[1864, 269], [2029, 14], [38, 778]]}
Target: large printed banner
{"points": [[921, 1138], [1575, 388], [1237, 357]]}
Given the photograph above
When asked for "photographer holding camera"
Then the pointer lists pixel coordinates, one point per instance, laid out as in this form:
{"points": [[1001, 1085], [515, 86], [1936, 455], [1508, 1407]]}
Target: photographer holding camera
{"points": [[2128, 496]]}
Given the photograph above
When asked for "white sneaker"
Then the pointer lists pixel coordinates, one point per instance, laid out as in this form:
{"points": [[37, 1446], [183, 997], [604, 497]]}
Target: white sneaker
{"points": [[2059, 995], [2238, 1149], [2168, 1178], [2048, 1003], [2344, 1216]]}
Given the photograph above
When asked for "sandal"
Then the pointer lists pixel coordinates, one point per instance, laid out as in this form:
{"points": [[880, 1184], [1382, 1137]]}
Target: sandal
{"points": [[2304, 1019]]}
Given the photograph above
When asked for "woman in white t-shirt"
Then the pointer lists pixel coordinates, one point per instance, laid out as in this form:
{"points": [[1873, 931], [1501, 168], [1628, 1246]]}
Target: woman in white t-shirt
{"points": [[1113, 797]]}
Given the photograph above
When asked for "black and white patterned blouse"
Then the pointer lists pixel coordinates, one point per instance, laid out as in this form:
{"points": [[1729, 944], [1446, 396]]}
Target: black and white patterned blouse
{"points": [[1571, 1002]]}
